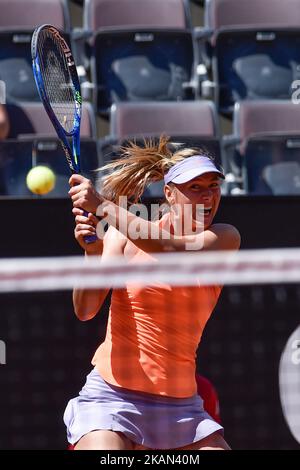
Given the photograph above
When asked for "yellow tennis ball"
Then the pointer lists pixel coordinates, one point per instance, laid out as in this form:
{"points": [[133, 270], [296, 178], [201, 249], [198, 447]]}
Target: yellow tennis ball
{"points": [[40, 180]]}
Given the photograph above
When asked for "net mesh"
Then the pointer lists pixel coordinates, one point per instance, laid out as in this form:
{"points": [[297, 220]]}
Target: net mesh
{"points": [[46, 351], [57, 79]]}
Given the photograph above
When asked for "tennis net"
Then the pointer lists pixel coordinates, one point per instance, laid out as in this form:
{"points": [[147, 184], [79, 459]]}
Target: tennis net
{"points": [[249, 349]]}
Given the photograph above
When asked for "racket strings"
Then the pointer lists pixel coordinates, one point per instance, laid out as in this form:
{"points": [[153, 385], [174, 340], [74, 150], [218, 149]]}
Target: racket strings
{"points": [[57, 80]]}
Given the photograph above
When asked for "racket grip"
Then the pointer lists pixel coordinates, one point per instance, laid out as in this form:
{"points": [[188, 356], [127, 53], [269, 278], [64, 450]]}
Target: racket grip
{"points": [[90, 238]]}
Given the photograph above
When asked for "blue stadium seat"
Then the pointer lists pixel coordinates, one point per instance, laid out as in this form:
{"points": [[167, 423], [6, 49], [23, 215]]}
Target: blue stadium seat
{"points": [[17, 157], [141, 50], [254, 48], [272, 165], [263, 154], [18, 19]]}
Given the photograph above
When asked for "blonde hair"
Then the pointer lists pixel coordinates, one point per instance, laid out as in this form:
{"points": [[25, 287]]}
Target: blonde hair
{"points": [[139, 166]]}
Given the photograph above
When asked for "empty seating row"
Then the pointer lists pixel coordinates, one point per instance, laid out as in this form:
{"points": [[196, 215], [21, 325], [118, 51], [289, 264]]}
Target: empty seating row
{"points": [[261, 157], [147, 50]]}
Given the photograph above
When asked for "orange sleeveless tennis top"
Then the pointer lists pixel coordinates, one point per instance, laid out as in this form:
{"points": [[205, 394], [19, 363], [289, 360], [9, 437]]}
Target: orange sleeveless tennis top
{"points": [[152, 336]]}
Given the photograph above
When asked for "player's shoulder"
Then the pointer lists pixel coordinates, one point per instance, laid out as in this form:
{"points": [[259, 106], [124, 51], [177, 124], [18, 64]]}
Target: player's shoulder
{"points": [[231, 238]]}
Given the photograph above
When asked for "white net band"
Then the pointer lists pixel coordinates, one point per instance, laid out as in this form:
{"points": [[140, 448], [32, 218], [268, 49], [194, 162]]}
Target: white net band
{"points": [[206, 268]]}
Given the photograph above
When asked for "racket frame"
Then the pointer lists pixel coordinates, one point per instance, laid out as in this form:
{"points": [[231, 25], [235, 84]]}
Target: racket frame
{"points": [[73, 157]]}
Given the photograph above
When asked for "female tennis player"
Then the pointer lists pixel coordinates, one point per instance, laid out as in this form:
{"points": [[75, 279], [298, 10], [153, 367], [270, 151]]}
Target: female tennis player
{"points": [[142, 392]]}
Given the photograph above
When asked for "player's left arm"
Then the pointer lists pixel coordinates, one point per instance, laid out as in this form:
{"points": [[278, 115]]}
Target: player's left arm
{"points": [[217, 237], [221, 237]]}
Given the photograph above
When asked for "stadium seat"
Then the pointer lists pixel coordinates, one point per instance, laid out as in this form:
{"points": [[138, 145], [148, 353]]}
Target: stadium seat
{"points": [[260, 117], [18, 19], [136, 13], [31, 118], [17, 157], [141, 50], [254, 48], [188, 118], [188, 123], [264, 150], [272, 165], [19, 14]]}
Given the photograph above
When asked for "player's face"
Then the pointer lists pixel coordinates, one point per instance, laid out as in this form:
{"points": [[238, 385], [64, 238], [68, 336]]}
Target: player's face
{"points": [[204, 190]]}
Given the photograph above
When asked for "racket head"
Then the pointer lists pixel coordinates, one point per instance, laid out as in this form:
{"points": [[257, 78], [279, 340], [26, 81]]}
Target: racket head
{"points": [[58, 85], [289, 383]]}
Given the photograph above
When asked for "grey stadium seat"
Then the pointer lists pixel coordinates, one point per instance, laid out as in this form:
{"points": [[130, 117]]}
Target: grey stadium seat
{"points": [[31, 118], [188, 123]]}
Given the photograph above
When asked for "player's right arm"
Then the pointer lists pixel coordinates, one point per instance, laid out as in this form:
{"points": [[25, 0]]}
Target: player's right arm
{"points": [[87, 302]]}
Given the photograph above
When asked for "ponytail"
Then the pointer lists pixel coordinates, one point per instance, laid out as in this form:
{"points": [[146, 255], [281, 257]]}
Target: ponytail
{"points": [[138, 167]]}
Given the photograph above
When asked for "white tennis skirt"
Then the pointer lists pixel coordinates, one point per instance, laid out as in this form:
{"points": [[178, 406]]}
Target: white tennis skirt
{"points": [[153, 421]]}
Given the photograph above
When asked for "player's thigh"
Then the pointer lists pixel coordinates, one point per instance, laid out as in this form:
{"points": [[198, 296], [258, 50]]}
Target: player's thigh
{"points": [[104, 440], [214, 441]]}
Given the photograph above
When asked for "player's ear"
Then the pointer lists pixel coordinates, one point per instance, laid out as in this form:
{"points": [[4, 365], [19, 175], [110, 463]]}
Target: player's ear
{"points": [[169, 193]]}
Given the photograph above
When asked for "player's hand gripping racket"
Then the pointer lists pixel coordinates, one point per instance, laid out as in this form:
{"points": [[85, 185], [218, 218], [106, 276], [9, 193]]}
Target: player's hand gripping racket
{"points": [[58, 85]]}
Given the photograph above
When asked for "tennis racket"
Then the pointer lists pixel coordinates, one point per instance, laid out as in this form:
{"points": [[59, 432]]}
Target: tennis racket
{"points": [[58, 85], [289, 383]]}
